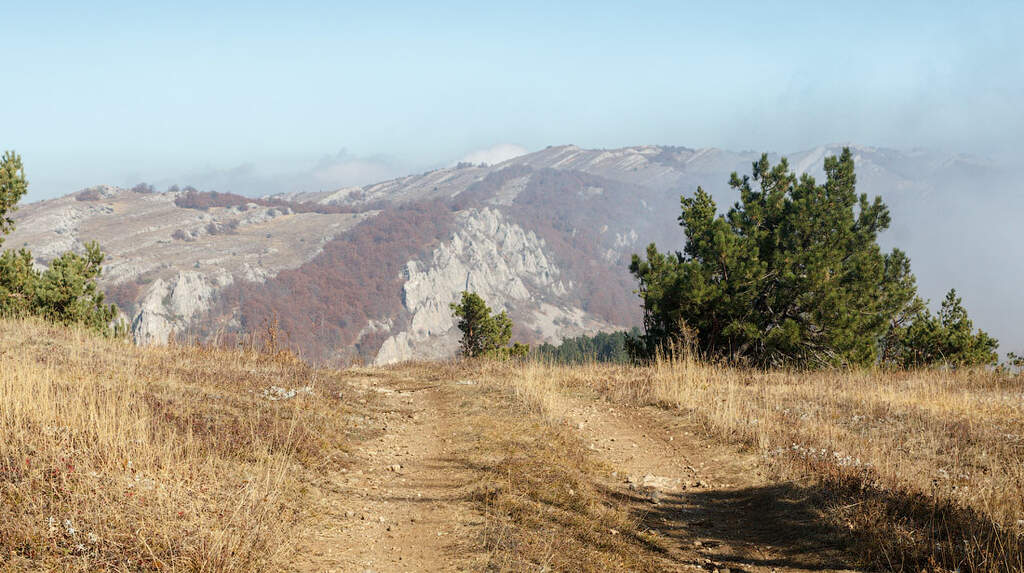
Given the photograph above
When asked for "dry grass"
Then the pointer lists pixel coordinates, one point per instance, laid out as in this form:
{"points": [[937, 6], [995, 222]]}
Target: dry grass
{"points": [[537, 487], [123, 458], [116, 457], [927, 467]]}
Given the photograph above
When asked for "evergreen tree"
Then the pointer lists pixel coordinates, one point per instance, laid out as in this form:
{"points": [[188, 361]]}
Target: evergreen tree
{"points": [[484, 334], [66, 292], [13, 186], [948, 338], [791, 274], [602, 347], [1016, 361], [19, 281]]}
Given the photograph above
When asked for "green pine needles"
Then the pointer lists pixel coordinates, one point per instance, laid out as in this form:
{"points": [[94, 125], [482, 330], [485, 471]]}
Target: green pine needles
{"points": [[484, 334], [66, 292], [791, 275]]}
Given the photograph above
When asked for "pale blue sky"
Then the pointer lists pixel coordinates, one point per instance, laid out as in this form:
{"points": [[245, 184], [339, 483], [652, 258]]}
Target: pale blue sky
{"points": [[256, 94]]}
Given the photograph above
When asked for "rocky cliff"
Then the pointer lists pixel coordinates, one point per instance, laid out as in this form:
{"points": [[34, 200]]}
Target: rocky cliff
{"points": [[488, 255], [164, 263]]}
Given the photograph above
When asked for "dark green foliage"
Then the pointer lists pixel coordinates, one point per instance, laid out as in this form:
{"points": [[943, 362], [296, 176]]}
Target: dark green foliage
{"points": [[602, 347], [13, 186], [484, 334], [947, 338], [517, 350], [19, 281], [1016, 361], [66, 292], [792, 274]]}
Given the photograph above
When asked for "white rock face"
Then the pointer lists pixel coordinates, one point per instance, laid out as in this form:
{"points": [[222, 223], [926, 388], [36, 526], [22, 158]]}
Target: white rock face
{"points": [[627, 239], [169, 306], [488, 255]]}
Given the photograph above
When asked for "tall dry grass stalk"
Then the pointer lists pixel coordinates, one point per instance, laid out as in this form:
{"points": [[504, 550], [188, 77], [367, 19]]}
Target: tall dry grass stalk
{"points": [[533, 386]]}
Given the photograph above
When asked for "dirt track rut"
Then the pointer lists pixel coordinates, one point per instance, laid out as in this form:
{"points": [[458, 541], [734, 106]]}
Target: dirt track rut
{"points": [[403, 511], [710, 501]]}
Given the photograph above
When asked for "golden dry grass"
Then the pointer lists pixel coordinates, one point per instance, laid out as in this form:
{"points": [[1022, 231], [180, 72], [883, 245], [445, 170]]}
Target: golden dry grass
{"points": [[125, 458], [537, 486], [926, 466]]}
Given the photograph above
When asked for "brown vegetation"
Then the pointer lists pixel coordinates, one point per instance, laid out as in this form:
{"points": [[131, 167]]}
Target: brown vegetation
{"points": [[566, 209], [324, 305], [190, 458], [543, 508], [169, 459], [195, 458], [89, 195], [128, 294], [205, 200], [560, 208]]}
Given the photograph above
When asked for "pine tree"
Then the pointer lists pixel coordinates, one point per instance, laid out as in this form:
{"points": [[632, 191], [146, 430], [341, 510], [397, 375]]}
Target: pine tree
{"points": [[13, 186], [484, 334], [19, 281], [944, 339], [602, 347], [66, 292], [791, 274], [1016, 361]]}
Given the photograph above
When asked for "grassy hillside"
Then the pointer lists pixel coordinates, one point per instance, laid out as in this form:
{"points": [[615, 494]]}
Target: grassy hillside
{"points": [[178, 458], [184, 458]]}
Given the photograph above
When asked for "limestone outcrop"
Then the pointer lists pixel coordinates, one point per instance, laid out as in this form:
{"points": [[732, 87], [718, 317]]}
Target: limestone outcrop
{"points": [[170, 305], [487, 255]]}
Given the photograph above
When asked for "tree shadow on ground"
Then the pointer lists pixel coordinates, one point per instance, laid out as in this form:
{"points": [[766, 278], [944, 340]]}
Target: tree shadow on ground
{"points": [[776, 526], [785, 525]]}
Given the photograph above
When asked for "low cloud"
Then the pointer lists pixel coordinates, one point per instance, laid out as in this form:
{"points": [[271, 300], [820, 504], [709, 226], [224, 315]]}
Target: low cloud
{"points": [[330, 172], [344, 169], [495, 154]]}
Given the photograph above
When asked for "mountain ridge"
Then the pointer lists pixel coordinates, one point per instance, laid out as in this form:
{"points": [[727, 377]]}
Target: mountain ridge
{"points": [[554, 228]]}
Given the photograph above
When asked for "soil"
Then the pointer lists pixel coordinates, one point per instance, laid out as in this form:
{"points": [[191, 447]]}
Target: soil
{"points": [[712, 504], [719, 509]]}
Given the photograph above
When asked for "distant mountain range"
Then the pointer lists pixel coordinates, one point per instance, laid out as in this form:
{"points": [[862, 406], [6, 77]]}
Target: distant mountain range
{"points": [[367, 273]]}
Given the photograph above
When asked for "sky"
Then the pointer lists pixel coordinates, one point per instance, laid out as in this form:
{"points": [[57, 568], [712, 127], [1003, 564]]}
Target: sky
{"points": [[258, 98]]}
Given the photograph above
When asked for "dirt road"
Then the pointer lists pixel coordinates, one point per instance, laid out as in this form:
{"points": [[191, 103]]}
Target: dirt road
{"points": [[711, 501], [407, 504], [404, 510]]}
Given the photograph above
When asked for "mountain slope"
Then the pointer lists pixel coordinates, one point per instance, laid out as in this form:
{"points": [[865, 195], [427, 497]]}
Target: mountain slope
{"points": [[367, 273]]}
